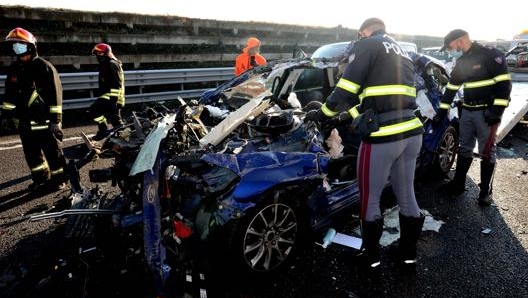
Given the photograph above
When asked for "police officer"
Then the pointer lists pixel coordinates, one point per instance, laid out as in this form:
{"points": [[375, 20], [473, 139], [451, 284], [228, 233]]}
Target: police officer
{"points": [[33, 101], [378, 83], [111, 92], [483, 74]]}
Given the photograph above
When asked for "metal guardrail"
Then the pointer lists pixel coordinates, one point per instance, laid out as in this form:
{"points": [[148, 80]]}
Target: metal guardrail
{"points": [[88, 81]]}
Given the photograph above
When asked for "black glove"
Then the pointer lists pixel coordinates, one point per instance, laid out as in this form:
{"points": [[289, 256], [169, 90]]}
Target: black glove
{"points": [[341, 119], [56, 130], [492, 118], [315, 115], [439, 117], [252, 61], [5, 124]]}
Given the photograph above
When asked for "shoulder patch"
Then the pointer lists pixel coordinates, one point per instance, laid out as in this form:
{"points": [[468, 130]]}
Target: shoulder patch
{"points": [[499, 60]]}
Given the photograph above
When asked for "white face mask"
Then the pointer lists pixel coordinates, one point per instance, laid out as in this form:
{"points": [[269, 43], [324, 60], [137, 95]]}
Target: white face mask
{"points": [[19, 48]]}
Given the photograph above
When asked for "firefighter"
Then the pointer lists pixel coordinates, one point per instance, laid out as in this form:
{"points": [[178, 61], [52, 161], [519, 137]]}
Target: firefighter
{"points": [[378, 85], [483, 74], [33, 102], [111, 93], [250, 56]]}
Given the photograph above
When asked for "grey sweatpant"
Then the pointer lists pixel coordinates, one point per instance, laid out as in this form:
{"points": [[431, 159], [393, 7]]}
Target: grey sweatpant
{"points": [[380, 163]]}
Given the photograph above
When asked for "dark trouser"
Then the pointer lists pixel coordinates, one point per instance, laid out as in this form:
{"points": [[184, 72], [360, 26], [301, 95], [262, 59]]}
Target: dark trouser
{"points": [[43, 153], [103, 110]]}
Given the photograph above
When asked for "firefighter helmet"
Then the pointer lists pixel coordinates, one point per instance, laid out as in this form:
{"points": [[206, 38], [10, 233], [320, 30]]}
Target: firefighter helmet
{"points": [[104, 49], [21, 35]]}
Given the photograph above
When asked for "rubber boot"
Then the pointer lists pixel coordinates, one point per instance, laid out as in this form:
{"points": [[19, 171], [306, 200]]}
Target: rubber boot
{"points": [[371, 233], [410, 230], [486, 176], [458, 184]]}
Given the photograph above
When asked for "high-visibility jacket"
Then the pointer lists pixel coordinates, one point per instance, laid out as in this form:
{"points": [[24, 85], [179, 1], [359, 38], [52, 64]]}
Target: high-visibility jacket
{"points": [[33, 92], [483, 74], [111, 81], [243, 61], [379, 77]]}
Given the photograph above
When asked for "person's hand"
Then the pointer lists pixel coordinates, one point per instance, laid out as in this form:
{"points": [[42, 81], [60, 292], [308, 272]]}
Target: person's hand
{"points": [[342, 118], [315, 115], [439, 117], [5, 124], [56, 130], [492, 118]]}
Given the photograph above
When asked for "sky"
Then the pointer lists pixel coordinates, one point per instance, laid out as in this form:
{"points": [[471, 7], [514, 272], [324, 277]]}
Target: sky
{"points": [[483, 21]]}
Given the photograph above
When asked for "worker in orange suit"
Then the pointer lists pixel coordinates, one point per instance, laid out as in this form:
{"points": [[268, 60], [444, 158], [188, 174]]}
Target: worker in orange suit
{"points": [[250, 56]]}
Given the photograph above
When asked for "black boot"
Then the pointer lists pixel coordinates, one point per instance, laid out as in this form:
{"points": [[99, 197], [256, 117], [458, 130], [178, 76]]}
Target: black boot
{"points": [[102, 132], [371, 233], [486, 178], [410, 230], [458, 184]]}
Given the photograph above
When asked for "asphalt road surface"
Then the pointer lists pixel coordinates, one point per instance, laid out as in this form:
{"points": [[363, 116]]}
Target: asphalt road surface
{"points": [[477, 252]]}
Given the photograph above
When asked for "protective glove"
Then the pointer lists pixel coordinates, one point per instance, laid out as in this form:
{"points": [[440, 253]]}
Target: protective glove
{"points": [[439, 117], [492, 118], [341, 119], [56, 130], [5, 124], [315, 115]]}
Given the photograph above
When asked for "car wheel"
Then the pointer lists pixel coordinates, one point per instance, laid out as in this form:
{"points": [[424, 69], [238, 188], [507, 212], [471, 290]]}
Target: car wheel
{"points": [[267, 237], [447, 150]]}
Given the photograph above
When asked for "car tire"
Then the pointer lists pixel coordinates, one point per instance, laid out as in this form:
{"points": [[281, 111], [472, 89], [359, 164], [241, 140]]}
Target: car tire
{"points": [[447, 150], [266, 238]]}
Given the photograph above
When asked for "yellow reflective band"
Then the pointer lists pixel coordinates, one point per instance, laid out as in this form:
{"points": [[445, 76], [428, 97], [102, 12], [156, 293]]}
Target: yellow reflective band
{"points": [[327, 111], [353, 112], [8, 106], [445, 106], [389, 90], [500, 102], [100, 119], [348, 85], [397, 128], [452, 87], [43, 166], [57, 171], [34, 96], [39, 127], [55, 109], [478, 84], [502, 77], [104, 96]]}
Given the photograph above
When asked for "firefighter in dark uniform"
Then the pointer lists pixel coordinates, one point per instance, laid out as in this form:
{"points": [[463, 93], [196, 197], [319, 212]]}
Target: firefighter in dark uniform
{"points": [[111, 93], [483, 74], [378, 85], [33, 101]]}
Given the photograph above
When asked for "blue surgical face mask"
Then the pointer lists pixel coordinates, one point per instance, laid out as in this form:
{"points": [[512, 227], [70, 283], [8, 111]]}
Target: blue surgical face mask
{"points": [[19, 48], [455, 53]]}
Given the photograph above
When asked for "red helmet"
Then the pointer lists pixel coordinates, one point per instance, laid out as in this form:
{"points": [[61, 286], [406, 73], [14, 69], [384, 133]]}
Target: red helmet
{"points": [[104, 49], [22, 35]]}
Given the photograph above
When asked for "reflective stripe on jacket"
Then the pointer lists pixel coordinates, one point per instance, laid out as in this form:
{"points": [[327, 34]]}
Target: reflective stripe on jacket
{"points": [[380, 77], [482, 72]]}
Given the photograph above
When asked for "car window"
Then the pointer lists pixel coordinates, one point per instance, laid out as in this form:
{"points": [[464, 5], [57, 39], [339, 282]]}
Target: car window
{"points": [[435, 53]]}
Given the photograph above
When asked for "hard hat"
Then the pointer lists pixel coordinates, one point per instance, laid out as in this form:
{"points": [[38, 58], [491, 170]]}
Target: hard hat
{"points": [[103, 48], [21, 35]]}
